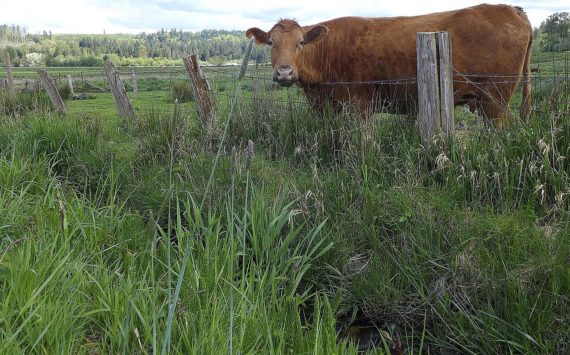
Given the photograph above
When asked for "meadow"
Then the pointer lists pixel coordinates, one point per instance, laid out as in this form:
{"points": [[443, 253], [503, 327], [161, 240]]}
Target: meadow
{"points": [[277, 231]]}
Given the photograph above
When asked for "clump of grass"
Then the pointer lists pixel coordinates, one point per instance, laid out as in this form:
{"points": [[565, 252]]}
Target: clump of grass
{"points": [[99, 280], [64, 91], [72, 149], [23, 103], [182, 91], [160, 133]]}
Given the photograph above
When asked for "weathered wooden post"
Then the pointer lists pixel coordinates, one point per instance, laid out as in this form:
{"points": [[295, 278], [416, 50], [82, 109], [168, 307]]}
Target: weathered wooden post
{"points": [[435, 86], [70, 83], [446, 84], [201, 91], [119, 92], [135, 83], [9, 73], [51, 90], [255, 84]]}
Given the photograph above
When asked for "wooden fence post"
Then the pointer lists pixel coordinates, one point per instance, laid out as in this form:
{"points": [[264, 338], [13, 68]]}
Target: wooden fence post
{"points": [[52, 91], [9, 73], [120, 97], [135, 83], [435, 86], [255, 84], [70, 83], [446, 84], [201, 90]]}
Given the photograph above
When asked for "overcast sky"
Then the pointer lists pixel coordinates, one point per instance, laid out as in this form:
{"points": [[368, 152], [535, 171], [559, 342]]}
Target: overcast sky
{"points": [[134, 16]]}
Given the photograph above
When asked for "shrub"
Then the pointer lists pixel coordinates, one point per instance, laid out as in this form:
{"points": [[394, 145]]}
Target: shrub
{"points": [[64, 91], [182, 91]]}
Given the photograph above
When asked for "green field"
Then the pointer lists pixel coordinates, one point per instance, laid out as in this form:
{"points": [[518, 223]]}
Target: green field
{"points": [[327, 235], [551, 64]]}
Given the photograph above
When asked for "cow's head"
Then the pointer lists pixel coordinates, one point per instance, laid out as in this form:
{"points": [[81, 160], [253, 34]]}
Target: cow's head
{"points": [[287, 40]]}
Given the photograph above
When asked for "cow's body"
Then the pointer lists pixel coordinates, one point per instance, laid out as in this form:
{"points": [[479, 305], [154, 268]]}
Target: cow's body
{"points": [[345, 60]]}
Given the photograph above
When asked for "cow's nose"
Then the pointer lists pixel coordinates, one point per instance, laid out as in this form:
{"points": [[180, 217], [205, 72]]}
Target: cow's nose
{"points": [[284, 75], [285, 70]]}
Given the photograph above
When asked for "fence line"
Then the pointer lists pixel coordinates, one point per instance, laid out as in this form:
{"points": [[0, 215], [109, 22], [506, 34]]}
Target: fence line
{"points": [[89, 80], [154, 83], [126, 72]]}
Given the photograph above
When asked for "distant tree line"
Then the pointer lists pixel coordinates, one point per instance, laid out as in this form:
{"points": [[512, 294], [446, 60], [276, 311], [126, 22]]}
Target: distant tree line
{"points": [[159, 48], [11, 34], [553, 35], [166, 47]]}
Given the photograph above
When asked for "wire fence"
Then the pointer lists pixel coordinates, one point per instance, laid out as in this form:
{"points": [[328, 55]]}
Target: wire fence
{"points": [[156, 88]]}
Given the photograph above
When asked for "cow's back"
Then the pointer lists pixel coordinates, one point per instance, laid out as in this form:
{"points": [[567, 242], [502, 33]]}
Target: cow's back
{"points": [[485, 39]]}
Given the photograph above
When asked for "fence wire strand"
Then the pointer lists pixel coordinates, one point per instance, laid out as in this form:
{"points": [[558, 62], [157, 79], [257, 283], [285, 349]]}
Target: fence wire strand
{"points": [[155, 84]]}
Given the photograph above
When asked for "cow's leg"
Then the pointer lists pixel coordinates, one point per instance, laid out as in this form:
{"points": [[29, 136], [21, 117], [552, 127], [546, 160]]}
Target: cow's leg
{"points": [[495, 103], [495, 112]]}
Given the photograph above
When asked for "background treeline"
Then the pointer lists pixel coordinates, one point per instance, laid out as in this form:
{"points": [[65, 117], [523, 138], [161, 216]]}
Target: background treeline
{"points": [[553, 35], [167, 47], [164, 47], [11, 34]]}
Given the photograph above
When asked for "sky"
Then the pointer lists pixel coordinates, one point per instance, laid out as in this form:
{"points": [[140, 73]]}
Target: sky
{"points": [[135, 16]]}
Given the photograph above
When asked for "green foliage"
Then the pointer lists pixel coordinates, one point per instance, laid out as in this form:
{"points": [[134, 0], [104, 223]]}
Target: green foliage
{"points": [[24, 102], [182, 91], [64, 91], [340, 236], [74, 61], [11, 34], [90, 290], [554, 33], [218, 60]]}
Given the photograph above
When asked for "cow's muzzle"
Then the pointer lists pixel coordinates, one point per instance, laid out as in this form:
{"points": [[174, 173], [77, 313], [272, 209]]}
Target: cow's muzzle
{"points": [[284, 75]]}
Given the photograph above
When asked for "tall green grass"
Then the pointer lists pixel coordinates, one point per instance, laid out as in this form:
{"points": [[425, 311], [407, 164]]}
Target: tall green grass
{"points": [[23, 103], [337, 236]]}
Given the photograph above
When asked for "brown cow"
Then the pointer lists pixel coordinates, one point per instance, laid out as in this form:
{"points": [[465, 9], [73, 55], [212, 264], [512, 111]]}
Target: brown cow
{"points": [[342, 60]]}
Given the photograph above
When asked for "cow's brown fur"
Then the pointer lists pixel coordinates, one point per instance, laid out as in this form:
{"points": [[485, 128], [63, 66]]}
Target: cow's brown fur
{"points": [[492, 41]]}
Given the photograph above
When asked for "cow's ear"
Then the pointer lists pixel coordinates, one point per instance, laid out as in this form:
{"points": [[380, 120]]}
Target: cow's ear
{"points": [[261, 37], [316, 33]]}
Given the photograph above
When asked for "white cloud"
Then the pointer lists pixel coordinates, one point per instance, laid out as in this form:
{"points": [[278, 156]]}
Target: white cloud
{"points": [[94, 16]]}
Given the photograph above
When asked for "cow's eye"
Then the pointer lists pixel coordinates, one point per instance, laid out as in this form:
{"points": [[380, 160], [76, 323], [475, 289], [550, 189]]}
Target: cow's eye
{"points": [[270, 42], [301, 44]]}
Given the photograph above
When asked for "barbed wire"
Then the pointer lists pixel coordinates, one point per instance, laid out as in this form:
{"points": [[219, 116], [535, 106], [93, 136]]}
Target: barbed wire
{"points": [[231, 71], [261, 86]]}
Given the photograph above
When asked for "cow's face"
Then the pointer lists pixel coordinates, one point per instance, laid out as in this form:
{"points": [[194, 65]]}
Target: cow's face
{"points": [[287, 40]]}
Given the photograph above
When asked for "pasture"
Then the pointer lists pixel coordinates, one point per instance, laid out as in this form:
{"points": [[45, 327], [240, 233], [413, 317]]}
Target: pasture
{"points": [[299, 235]]}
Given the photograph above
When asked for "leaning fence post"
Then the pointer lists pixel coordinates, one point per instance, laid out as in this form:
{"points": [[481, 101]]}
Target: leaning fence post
{"points": [[119, 92], [51, 90], [435, 85], [10, 79], [201, 90]]}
